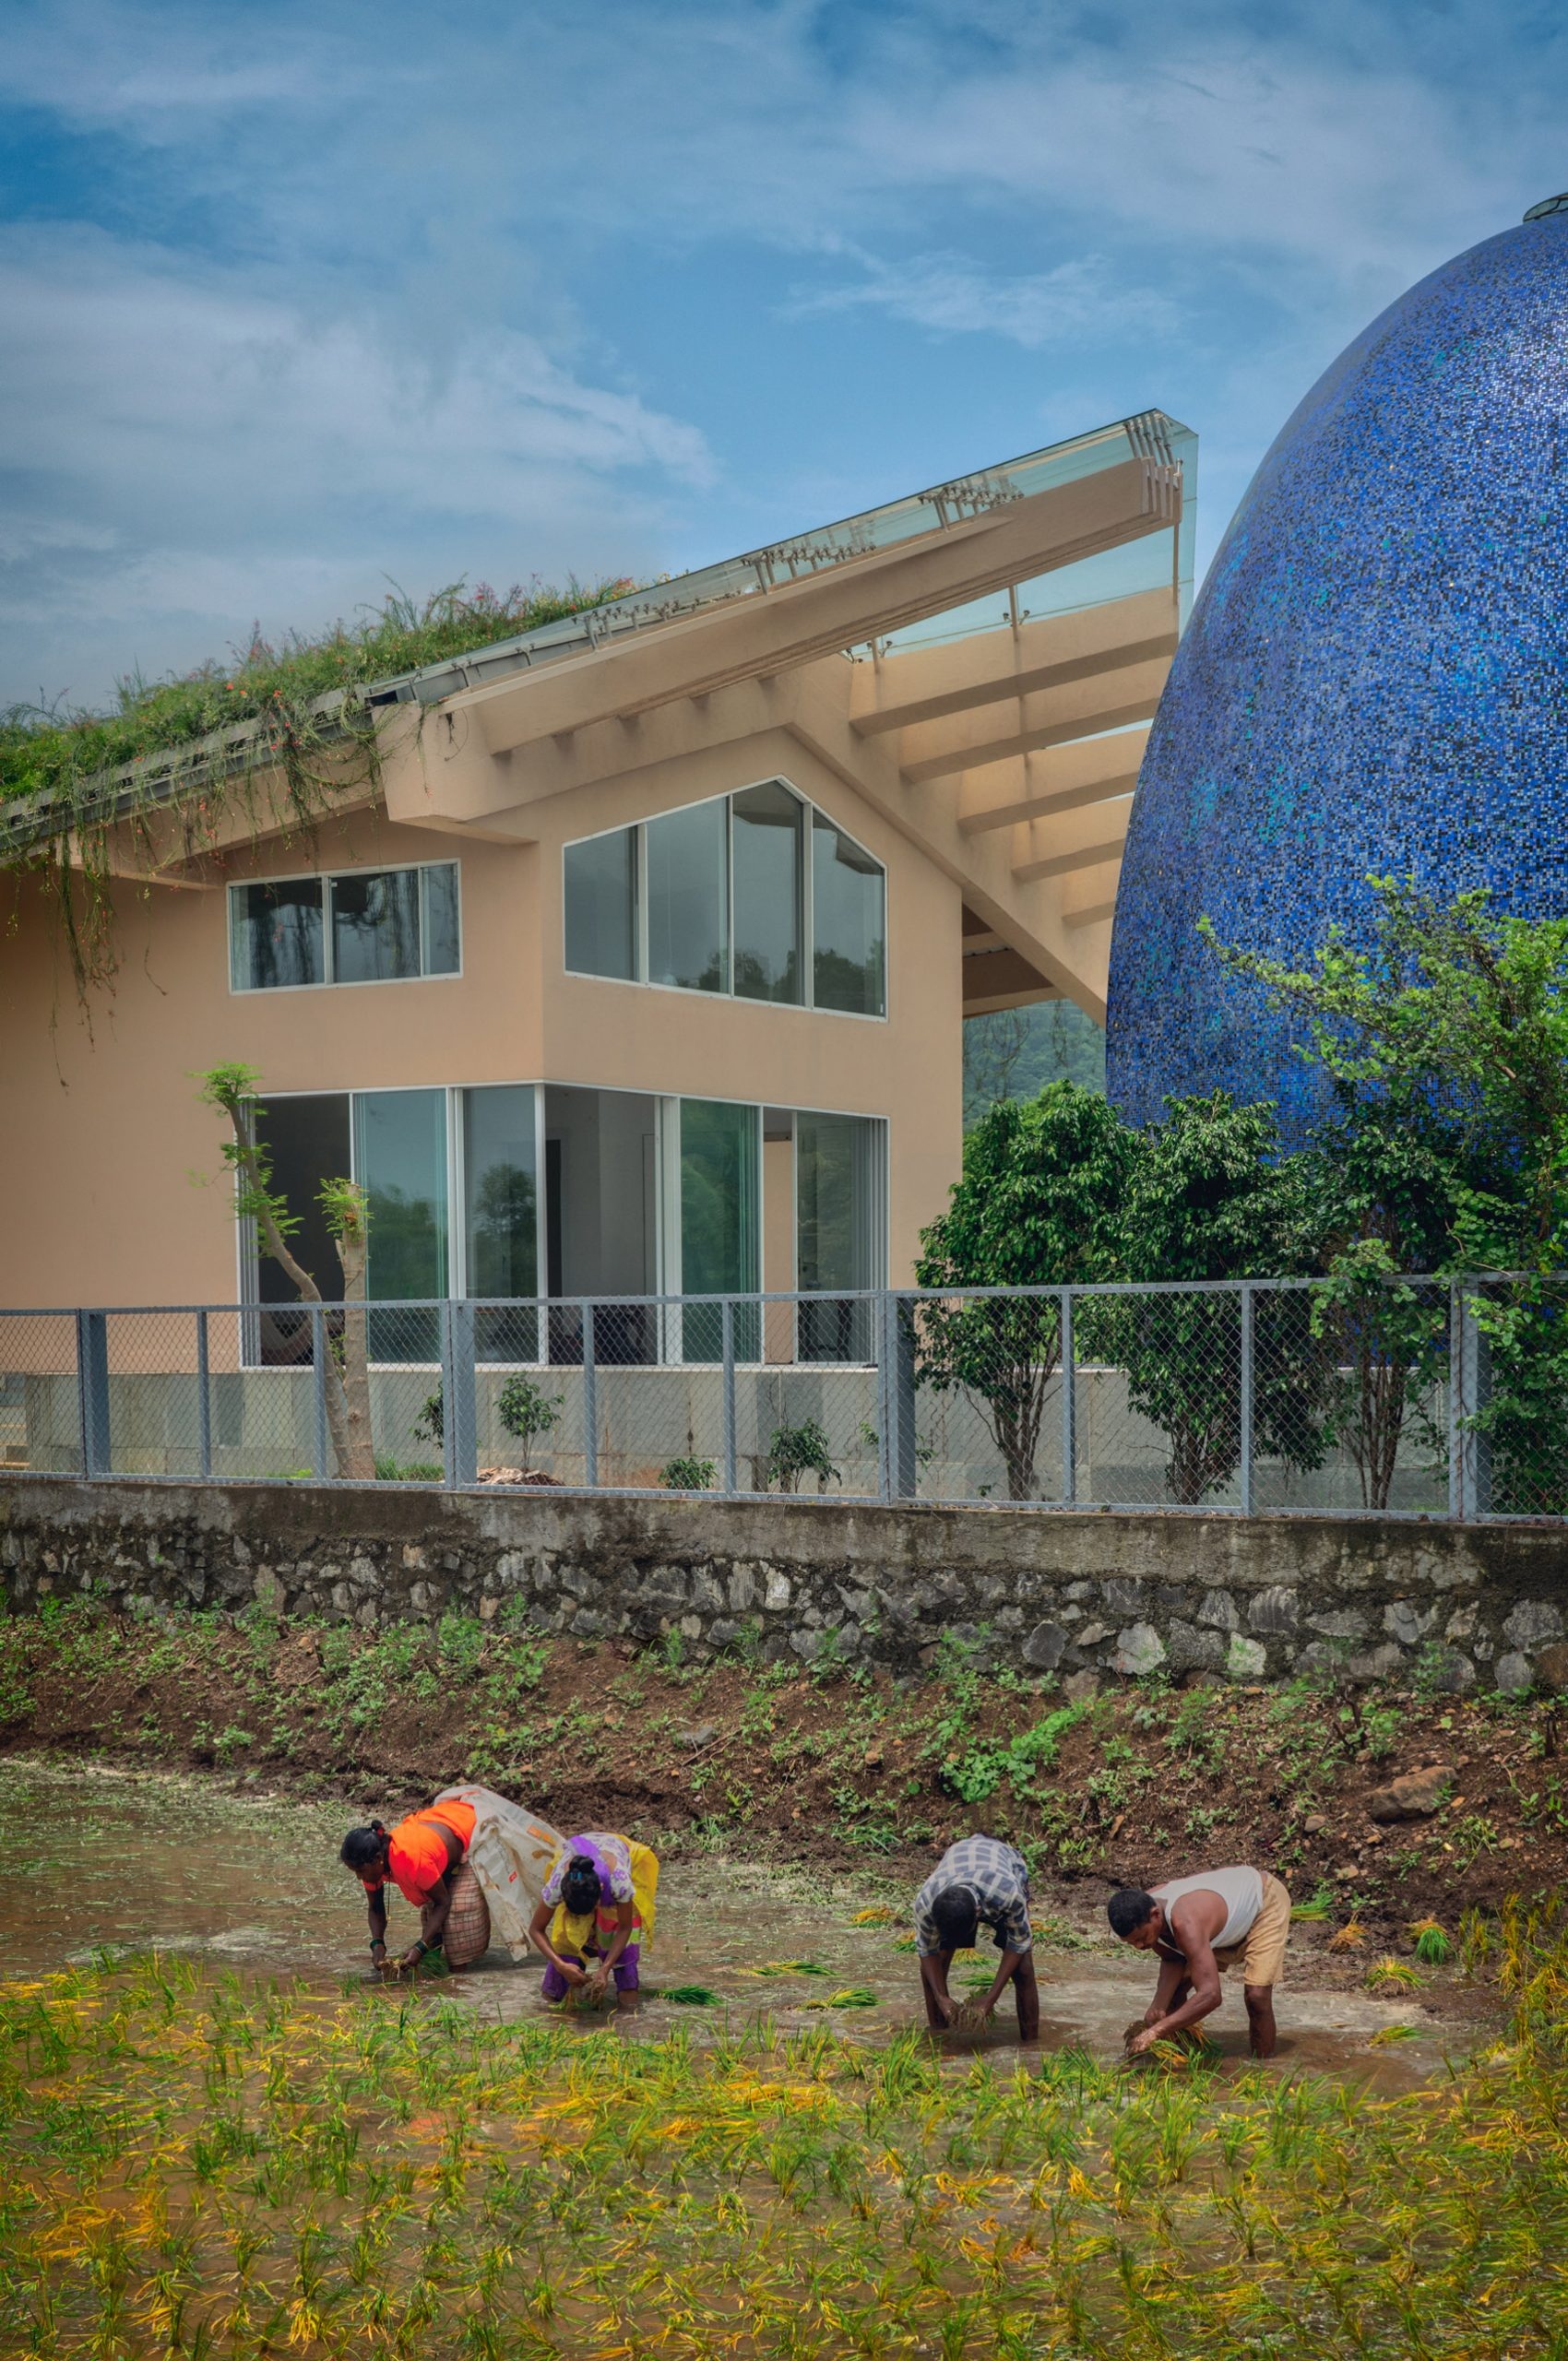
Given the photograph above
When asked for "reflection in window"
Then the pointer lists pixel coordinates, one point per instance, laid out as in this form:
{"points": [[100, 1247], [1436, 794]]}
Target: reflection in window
{"points": [[720, 1224], [601, 876], [718, 890], [768, 824], [838, 1189], [501, 1210], [849, 923], [687, 933], [275, 934], [401, 1161], [376, 925], [360, 926], [438, 919]]}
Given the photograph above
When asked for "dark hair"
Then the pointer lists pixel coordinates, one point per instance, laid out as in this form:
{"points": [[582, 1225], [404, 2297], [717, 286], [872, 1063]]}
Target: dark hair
{"points": [[579, 1887], [363, 1848], [1128, 1909], [955, 1917]]}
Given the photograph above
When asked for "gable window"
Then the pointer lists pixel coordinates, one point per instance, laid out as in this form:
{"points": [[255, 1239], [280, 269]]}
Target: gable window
{"points": [[755, 895], [351, 926]]}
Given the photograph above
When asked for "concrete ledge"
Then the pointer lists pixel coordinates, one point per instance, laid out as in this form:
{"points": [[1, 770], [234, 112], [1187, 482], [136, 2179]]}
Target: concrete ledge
{"points": [[1087, 1595]]}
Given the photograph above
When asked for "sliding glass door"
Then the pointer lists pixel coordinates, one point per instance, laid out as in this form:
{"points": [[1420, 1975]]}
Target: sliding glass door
{"points": [[720, 1223], [839, 1192], [400, 1162]]}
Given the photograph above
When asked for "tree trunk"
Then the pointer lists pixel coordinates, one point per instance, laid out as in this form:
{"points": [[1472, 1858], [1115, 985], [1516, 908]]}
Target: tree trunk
{"points": [[360, 1442], [348, 1461]]}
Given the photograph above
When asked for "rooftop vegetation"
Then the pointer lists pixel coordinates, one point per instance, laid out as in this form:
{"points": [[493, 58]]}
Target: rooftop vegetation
{"points": [[50, 751], [297, 713]]}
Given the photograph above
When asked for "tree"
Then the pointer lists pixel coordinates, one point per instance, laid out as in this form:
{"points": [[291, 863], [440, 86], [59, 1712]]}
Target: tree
{"points": [[525, 1411], [1208, 1197], [1388, 1177], [1036, 1206], [1463, 1012], [231, 1090], [1455, 1020]]}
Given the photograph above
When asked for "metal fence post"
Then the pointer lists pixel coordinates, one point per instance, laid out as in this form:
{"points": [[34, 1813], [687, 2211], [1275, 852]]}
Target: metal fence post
{"points": [[727, 1325], [204, 1400], [321, 1451], [903, 1464], [1469, 1387], [1246, 1398], [459, 1421], [1069, 1360], [590, 1401], [92, 1387]]}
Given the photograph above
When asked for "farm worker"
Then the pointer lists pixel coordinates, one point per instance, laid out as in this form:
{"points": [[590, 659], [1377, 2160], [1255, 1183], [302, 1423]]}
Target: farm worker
{"points": [[597, 1904], [471, 1848], [978, 1878], [1198, 1927]]}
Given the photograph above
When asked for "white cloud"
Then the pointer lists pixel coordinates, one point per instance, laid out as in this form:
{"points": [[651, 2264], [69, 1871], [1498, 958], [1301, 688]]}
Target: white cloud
{"points": [[185, 444], [952, 296]]}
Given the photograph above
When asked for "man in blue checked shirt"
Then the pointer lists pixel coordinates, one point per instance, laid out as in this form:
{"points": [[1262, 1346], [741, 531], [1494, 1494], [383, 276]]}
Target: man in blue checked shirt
{"points": [[978, 1878]]}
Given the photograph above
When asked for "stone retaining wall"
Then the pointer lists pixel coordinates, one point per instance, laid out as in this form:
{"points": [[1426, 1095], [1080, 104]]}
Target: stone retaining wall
{"points": [[1084, 1596]]}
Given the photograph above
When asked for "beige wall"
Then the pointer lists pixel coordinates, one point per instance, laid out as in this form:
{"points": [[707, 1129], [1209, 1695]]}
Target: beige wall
{"points": [[102, 1137]]}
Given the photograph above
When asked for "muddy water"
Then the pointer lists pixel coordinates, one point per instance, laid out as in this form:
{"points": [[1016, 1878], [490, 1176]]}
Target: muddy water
{"points": [[99, 1858]]}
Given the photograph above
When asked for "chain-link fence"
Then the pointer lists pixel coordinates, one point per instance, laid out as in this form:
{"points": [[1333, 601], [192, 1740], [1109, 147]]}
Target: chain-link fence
{"points": [[1356, 1394]]}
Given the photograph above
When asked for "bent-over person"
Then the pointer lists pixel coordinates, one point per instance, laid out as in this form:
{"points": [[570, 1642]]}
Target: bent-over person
{"points": [[1198, 1927], [978, 1880]]}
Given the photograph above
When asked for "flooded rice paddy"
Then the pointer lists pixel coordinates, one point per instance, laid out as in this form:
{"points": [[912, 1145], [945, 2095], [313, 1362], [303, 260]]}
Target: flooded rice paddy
{"points": [[233, 2144], [141, 1861]]}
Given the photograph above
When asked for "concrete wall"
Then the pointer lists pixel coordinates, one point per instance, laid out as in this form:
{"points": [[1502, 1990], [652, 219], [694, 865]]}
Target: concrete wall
{"points": [[1083, 1596]]}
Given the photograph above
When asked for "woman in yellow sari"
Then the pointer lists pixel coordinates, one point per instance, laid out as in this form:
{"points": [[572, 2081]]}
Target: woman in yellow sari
{"points": [[595, 1915]]}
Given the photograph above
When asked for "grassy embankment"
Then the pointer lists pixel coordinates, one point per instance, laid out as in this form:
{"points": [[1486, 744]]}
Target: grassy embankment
{"points": [[196, 2167], [830, 1765]]}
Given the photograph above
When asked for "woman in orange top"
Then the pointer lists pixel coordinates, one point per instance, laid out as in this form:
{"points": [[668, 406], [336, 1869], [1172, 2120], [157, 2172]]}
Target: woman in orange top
{"points": [[419, 1856]]}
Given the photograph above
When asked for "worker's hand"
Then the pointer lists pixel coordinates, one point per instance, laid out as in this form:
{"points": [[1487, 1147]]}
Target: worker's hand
{"points": [[412, 1956], [1153, 2014], [947, 2006], [1143, 2041], [597, 1981], [573, 1974]]}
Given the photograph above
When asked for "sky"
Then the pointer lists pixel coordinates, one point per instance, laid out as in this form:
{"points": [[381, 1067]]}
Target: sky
{"points": [[300, 302]]}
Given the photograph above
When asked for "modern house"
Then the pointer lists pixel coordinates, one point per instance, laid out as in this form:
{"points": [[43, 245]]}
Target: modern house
{"points": [[637, 960]]}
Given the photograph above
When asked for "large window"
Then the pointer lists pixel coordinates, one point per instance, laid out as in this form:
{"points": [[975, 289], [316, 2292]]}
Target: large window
{"points": [[848, 906], [355, 926], [754, 894], [839, 1194], [720, 1225]]}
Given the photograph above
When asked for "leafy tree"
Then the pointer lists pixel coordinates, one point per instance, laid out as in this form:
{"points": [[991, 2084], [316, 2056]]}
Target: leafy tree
{"points": [[526, 1411], [231, 1090], [1454, 1018], [1036, 1206], [1388, 1176], [689, 1473], [796, 1451], [1209, 1197]]}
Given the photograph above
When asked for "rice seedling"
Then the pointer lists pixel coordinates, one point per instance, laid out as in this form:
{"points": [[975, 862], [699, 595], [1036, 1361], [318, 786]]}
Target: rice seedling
{"points": [[1392, 1974], [192, 2166], [1348, 1937], [879, 1915], [1387, 2035], [1433, 1945], [690, 1996]]}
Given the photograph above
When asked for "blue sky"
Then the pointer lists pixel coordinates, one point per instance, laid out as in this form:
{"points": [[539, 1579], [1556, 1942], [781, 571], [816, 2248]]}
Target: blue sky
{"points": [[296, 299]]}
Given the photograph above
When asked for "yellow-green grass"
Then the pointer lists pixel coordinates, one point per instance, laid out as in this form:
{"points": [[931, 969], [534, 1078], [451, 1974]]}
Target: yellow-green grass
{"points": [[194, 2166]]}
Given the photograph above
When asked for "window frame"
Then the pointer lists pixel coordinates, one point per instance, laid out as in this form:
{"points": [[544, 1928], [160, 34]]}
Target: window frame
{"points": [[324, 879], [806, 1005]]}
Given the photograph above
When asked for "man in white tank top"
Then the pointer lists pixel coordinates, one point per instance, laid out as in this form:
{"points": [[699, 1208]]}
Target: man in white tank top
{"points": [[1198, 1927]]}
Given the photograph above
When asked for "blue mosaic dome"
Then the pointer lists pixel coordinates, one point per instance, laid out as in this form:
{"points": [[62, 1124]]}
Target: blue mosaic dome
{"points": [[1375, 679]]}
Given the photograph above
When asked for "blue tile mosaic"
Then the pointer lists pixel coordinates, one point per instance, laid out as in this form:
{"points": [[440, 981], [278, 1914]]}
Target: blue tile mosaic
{"points": [[1376, 677]]}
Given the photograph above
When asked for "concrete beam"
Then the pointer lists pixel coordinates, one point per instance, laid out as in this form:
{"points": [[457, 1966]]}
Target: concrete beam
{"points": [[838, 607]]}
